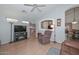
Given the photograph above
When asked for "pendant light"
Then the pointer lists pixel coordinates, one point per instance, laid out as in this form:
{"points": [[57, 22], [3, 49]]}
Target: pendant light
{"points": [[74, 20]]}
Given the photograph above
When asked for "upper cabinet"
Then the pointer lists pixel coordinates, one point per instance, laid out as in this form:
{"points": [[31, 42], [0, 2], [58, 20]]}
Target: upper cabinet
{"points": [[77, 13], [69, 15]]}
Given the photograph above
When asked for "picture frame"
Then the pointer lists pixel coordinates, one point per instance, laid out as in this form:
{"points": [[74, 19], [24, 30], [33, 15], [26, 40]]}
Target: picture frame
{"points": [[58, 22]]}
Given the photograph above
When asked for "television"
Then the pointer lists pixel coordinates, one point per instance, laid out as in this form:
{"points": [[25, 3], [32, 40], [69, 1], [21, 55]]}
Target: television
{"points": [[18, 28]]}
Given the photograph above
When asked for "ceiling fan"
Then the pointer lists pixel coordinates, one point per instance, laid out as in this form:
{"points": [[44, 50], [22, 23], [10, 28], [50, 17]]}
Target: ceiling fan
{"points": [[35, 6]]}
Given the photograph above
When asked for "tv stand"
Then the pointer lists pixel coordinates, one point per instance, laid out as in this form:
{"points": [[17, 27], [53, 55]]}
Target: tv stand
{"points": [[20, 36]]}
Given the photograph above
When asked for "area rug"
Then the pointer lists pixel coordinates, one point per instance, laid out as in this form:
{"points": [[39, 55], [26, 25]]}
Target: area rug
{"points": [[53, 51]]}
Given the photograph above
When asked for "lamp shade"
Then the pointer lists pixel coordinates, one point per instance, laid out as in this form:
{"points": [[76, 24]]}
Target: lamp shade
{"points": [[52, 26]]}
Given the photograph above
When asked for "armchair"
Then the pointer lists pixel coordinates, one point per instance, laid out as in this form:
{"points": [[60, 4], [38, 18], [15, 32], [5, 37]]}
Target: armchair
{"points": [[44, 38]]}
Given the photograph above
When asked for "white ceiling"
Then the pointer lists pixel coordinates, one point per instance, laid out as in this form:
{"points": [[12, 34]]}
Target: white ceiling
{"points": [[15, 11]]}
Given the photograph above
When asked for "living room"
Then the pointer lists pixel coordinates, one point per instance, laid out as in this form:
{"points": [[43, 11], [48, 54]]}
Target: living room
{"points": [[22, 25]]}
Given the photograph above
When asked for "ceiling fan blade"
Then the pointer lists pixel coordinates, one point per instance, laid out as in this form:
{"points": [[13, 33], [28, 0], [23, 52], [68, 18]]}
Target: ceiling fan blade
{"points": [[41, 5], [38, 9], [33, 9], [28, 5]]}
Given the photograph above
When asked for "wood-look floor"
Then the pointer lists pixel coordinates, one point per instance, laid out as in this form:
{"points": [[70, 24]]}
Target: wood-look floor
{"points": [[27, 47]]}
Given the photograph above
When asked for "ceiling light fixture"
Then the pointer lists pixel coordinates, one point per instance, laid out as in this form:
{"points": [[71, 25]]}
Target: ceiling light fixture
{"points": [[25, 22], [74, 22]]}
